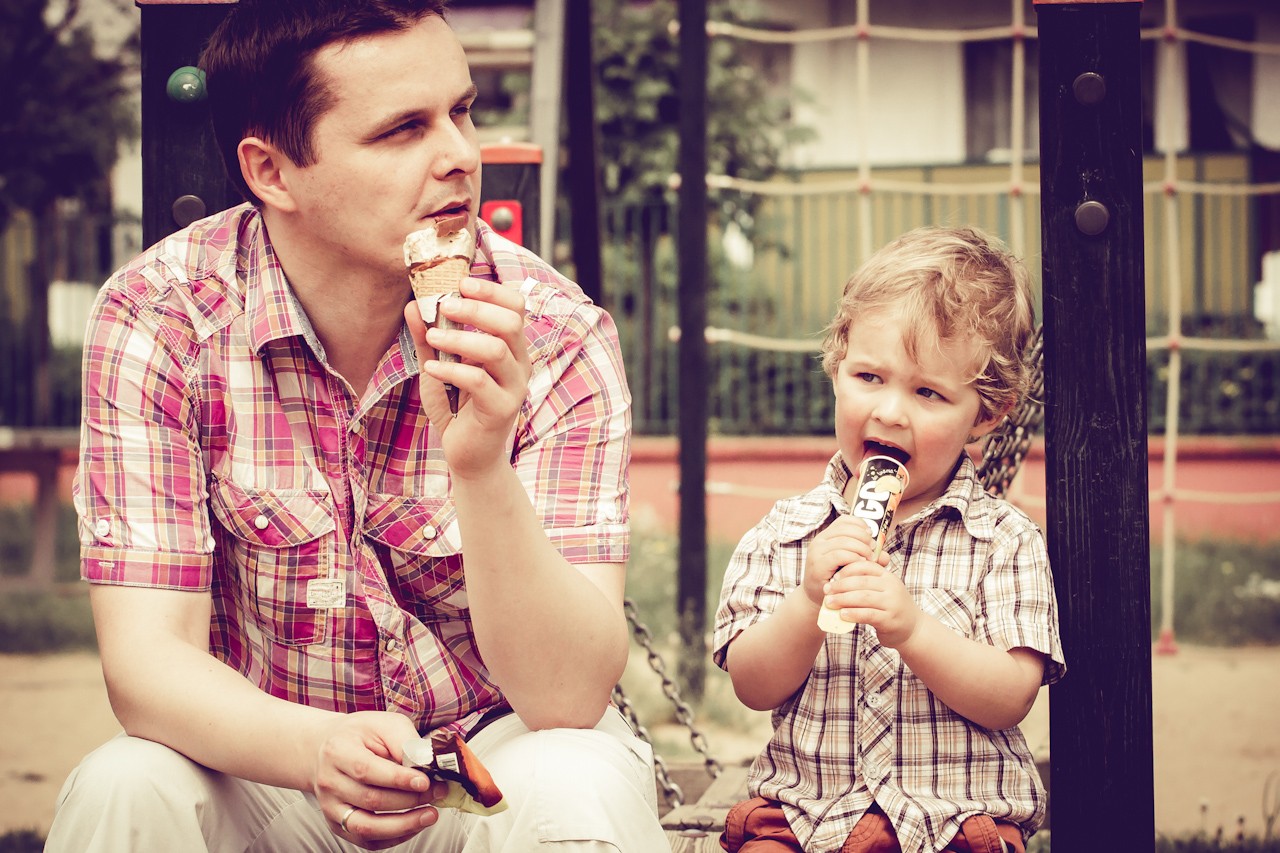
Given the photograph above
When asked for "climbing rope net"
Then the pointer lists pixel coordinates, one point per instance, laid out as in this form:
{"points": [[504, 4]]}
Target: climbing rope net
{"points": [[1165, 198]]}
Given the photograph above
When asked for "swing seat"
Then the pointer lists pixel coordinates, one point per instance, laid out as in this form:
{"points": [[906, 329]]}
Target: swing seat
{"points": [[697, 826]]}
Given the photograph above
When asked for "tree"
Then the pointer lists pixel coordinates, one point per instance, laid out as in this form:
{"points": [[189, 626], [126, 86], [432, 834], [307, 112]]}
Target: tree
{"points": [[749, 126], [64, 113], [63, 110]]}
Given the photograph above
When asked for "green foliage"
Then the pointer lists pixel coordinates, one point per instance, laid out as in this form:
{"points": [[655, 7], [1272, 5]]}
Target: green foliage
{"points": [[38, 622], [16, 544], [42, 620], [652, 573], [1217, 844], [63, 110], [1225, 593], [638, 96], [1222, 393]]}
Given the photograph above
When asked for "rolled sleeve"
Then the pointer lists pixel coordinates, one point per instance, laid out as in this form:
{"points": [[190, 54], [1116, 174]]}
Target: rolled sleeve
{"points": [[140, 488]]}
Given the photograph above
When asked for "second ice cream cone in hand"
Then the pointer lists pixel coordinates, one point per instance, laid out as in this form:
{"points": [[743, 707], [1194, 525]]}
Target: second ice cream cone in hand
{"points": [[439, 258]]}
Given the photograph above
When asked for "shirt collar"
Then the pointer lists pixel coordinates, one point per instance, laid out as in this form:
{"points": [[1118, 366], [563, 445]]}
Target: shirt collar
{"points": [[271, 307], [964, 496]]}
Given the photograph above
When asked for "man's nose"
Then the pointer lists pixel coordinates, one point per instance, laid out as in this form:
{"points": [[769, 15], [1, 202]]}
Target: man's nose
{"points": [[458, 152]]}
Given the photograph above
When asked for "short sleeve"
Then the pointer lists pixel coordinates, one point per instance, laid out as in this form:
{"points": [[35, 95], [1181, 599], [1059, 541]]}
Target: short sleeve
{"points": [[140, 488], [752, 589], [1018, 607], [575, 448]]}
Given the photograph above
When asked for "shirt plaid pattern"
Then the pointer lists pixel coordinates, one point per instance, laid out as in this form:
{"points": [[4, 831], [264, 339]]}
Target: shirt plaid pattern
{"points": [[220, 452], [863, 728]]}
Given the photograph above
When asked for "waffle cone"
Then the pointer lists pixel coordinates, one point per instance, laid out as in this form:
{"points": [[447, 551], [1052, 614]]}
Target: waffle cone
{"points": [[438, 279]]}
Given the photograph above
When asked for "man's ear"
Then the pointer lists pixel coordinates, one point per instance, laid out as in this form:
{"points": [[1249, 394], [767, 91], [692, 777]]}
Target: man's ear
{"points": [[262, 165]]}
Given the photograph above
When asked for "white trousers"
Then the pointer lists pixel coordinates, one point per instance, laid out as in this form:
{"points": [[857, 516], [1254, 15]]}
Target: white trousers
{"points": [[569, 790]]}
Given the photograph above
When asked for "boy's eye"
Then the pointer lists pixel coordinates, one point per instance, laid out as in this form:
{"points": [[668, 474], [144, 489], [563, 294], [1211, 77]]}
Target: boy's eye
{"points": [[930, 394], [866, 377]]}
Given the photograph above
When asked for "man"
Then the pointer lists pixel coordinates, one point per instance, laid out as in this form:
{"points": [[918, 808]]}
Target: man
{"points": [[299, 559]]}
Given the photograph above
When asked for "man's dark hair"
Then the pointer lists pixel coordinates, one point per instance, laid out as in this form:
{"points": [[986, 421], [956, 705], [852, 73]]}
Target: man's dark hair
{"points": [[261, 79]]}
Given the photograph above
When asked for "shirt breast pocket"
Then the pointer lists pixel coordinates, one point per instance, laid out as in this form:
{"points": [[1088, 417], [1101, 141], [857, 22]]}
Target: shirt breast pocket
{"points": [[955, 608], [419, 538], [281, 541]]}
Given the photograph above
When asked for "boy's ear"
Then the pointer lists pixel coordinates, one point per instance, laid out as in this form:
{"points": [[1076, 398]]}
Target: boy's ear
{"points": [[983, 426], [262, 165]]}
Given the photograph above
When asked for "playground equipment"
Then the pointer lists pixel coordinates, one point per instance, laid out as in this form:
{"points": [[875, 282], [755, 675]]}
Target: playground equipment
{"points": [[1094, 359], [1095, 390]]}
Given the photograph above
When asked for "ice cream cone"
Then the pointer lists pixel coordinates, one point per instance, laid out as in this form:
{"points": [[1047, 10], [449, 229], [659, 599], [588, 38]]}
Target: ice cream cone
{"points": [[439, 258], [431, 282]]}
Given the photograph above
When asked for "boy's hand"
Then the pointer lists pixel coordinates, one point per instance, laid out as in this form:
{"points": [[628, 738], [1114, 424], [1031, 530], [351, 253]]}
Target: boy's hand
{"points": [[867, 593], [846, 540]]}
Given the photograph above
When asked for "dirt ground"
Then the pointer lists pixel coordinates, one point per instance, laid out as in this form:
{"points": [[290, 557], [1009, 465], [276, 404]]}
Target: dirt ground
{"points": [[1216, 731]]}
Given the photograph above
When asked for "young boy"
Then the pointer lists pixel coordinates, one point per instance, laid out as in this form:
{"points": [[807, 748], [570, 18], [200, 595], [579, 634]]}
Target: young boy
{"points": [[901, 734]]}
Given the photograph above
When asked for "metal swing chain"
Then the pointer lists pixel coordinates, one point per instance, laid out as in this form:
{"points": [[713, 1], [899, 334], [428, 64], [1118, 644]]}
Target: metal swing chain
{"points": [[684, 714], [1005, 449], [672, 793]]}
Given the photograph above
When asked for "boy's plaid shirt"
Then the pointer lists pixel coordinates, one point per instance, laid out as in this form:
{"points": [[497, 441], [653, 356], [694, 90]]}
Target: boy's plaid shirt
{"points": [[863, 728], [220, 452]]}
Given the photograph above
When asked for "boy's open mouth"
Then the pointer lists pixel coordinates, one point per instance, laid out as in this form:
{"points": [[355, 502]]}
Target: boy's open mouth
{"points": [[875, 448]]}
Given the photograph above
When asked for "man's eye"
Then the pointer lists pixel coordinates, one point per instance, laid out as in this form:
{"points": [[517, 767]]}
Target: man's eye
{"points": [[407, 127]]}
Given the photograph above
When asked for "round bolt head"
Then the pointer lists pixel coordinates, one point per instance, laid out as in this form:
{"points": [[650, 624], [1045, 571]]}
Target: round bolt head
{"points": [[187, 209], [1089, 88], [1092, 217], [186, 85], [502, 218]]}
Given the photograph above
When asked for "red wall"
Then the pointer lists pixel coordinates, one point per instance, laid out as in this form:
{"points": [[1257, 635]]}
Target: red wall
{"points": [[771, 468]]}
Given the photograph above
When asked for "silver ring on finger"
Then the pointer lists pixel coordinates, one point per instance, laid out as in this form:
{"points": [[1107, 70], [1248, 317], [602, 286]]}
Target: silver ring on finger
{"points": [[345, 817]]}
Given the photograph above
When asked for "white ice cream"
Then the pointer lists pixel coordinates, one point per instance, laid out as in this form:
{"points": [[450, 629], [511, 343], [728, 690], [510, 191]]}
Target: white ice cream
{"points": [[429, 245]]}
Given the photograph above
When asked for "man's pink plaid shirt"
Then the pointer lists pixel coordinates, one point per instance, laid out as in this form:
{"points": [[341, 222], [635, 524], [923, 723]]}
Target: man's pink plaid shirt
{"points": [[220, 452]]}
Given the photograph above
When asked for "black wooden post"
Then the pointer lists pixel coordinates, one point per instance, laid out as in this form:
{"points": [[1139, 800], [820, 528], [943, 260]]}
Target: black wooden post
{"points": [[182, 174], [1095, 423], [584, 148], [691, 419]]}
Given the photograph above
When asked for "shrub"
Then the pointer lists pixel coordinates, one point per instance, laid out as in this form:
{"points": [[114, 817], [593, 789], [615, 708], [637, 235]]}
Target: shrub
{"points": [[1225, 593]]}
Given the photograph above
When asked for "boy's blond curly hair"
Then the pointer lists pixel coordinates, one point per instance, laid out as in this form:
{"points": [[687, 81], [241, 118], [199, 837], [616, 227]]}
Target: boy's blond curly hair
{"points": [[947, 284]]}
